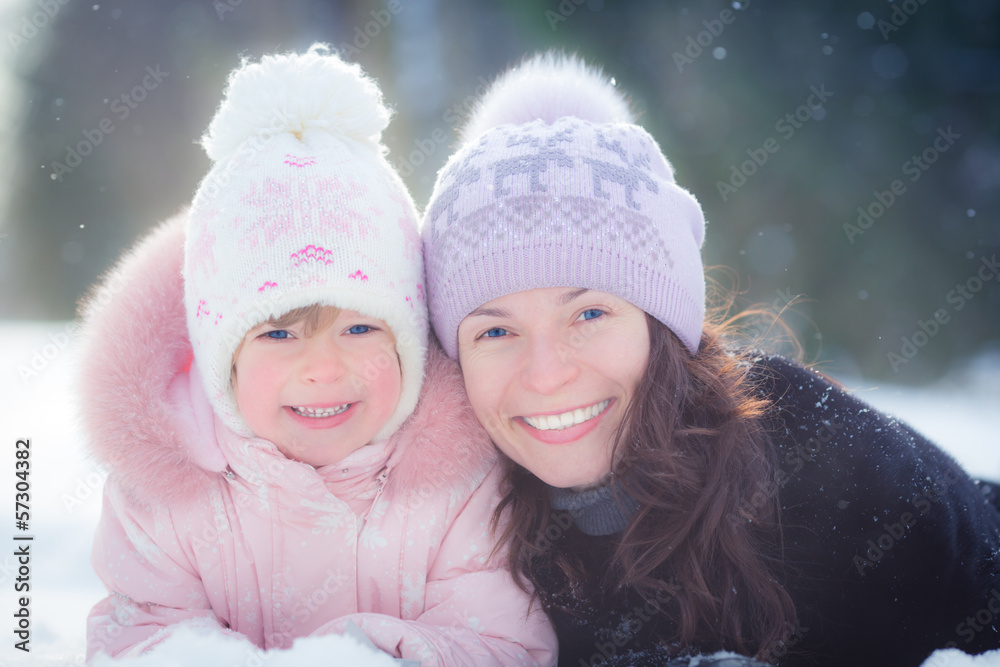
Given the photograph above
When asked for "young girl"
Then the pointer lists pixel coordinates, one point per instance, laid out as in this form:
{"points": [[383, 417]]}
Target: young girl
{"points": [[254, 390], [670, 495]]}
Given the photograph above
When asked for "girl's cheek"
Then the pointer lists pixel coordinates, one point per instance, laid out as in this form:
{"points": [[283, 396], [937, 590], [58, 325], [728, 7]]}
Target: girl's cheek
{"points": [[254, 374], [387, 385]]}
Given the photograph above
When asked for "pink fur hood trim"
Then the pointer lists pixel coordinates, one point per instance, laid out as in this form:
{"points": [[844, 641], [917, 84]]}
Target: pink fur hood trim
{"points": [[141, 408]]}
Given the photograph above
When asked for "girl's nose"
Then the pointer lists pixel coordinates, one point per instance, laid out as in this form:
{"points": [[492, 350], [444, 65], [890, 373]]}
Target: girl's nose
{"points": [[549, 365], [323, 362]]}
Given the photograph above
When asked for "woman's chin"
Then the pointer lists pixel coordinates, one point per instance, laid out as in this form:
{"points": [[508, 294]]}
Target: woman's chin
{"points": [[575, 482]]}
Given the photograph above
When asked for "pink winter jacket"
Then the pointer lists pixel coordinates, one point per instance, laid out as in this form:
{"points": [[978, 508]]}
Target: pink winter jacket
{"points": [[203, 527]]}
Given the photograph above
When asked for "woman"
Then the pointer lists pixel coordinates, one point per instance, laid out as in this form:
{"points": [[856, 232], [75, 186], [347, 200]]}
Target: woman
{"points": [[670, 495]]}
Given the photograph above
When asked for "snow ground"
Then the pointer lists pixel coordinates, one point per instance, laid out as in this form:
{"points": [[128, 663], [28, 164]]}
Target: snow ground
{"points": [[961, 414]]}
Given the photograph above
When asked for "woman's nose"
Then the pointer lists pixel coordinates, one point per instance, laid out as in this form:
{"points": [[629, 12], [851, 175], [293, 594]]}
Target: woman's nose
{"points": [[550, 364]]}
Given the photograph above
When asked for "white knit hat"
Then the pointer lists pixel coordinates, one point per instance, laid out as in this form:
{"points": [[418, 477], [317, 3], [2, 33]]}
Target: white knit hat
{"points": [[301, 207]]}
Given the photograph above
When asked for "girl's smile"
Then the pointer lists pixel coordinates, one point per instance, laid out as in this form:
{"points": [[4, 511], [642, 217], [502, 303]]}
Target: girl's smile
{"points": [[322, 417], [318, 395]]}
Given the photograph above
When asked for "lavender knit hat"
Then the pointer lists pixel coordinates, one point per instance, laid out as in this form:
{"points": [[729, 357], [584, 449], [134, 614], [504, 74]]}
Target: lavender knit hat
{"points": [[555, 185]]}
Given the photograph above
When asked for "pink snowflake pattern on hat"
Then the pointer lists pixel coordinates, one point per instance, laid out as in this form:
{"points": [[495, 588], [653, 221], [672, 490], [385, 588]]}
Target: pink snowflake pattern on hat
{"points": [[202, 310], [311, 253], [271, 201], [411, 237], [345, 218], [253, 275], [321, 205], [300, 162], [203, 313], [202, 255]]}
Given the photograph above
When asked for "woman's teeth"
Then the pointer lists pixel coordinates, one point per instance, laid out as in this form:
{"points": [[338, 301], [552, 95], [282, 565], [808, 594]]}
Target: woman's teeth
{"points": [[567, 419], [318, 413]]}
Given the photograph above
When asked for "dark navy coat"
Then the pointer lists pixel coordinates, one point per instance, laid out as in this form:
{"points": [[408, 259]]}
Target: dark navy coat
{"points": [[890, 549]]}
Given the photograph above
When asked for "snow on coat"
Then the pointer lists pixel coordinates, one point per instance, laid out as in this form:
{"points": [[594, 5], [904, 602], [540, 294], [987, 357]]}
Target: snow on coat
{"points": [[203, 527], [888, 549]]}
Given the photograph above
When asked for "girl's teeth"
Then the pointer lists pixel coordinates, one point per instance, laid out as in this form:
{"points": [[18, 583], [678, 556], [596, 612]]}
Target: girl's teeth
{"points": [[567, 419], [321, 412]]}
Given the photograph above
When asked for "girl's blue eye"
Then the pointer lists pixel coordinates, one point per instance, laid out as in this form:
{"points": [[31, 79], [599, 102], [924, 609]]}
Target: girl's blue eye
{"points": [[592, 314], [359, 329], [495, 332], [277, 334]]}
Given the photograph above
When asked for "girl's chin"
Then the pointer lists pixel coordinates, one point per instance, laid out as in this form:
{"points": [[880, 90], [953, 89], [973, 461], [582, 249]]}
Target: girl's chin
{"points": [[320, 455]]}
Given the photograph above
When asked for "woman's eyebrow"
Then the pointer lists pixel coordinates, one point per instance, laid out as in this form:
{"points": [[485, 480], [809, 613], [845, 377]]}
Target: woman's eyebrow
{"points": [[500, 312], [489, 312], [569, 296]]}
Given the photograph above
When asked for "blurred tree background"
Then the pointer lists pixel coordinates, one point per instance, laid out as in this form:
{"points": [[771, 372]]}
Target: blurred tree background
{"points": [[128, 87]]}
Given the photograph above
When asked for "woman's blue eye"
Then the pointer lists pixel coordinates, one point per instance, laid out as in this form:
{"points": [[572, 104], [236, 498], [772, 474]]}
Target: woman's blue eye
{"points": [[495, 332], [278, 334], [359, 329], [592, 314]]}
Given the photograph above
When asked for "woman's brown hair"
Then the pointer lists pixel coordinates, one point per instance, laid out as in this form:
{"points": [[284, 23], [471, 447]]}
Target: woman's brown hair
{"points": [[693, 450]]}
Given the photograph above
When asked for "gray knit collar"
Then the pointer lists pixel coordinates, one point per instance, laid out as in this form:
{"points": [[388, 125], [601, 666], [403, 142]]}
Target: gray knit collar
{"points": [[596, 511]]}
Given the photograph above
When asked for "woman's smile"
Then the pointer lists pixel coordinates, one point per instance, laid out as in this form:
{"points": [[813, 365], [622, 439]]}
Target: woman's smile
{"points": [[567, 427], [582, 352], [564, 420]]}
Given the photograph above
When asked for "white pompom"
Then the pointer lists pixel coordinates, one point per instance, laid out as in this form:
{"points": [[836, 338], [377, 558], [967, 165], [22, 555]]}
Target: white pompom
{"points": [[292, 93], [548, 86]]}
